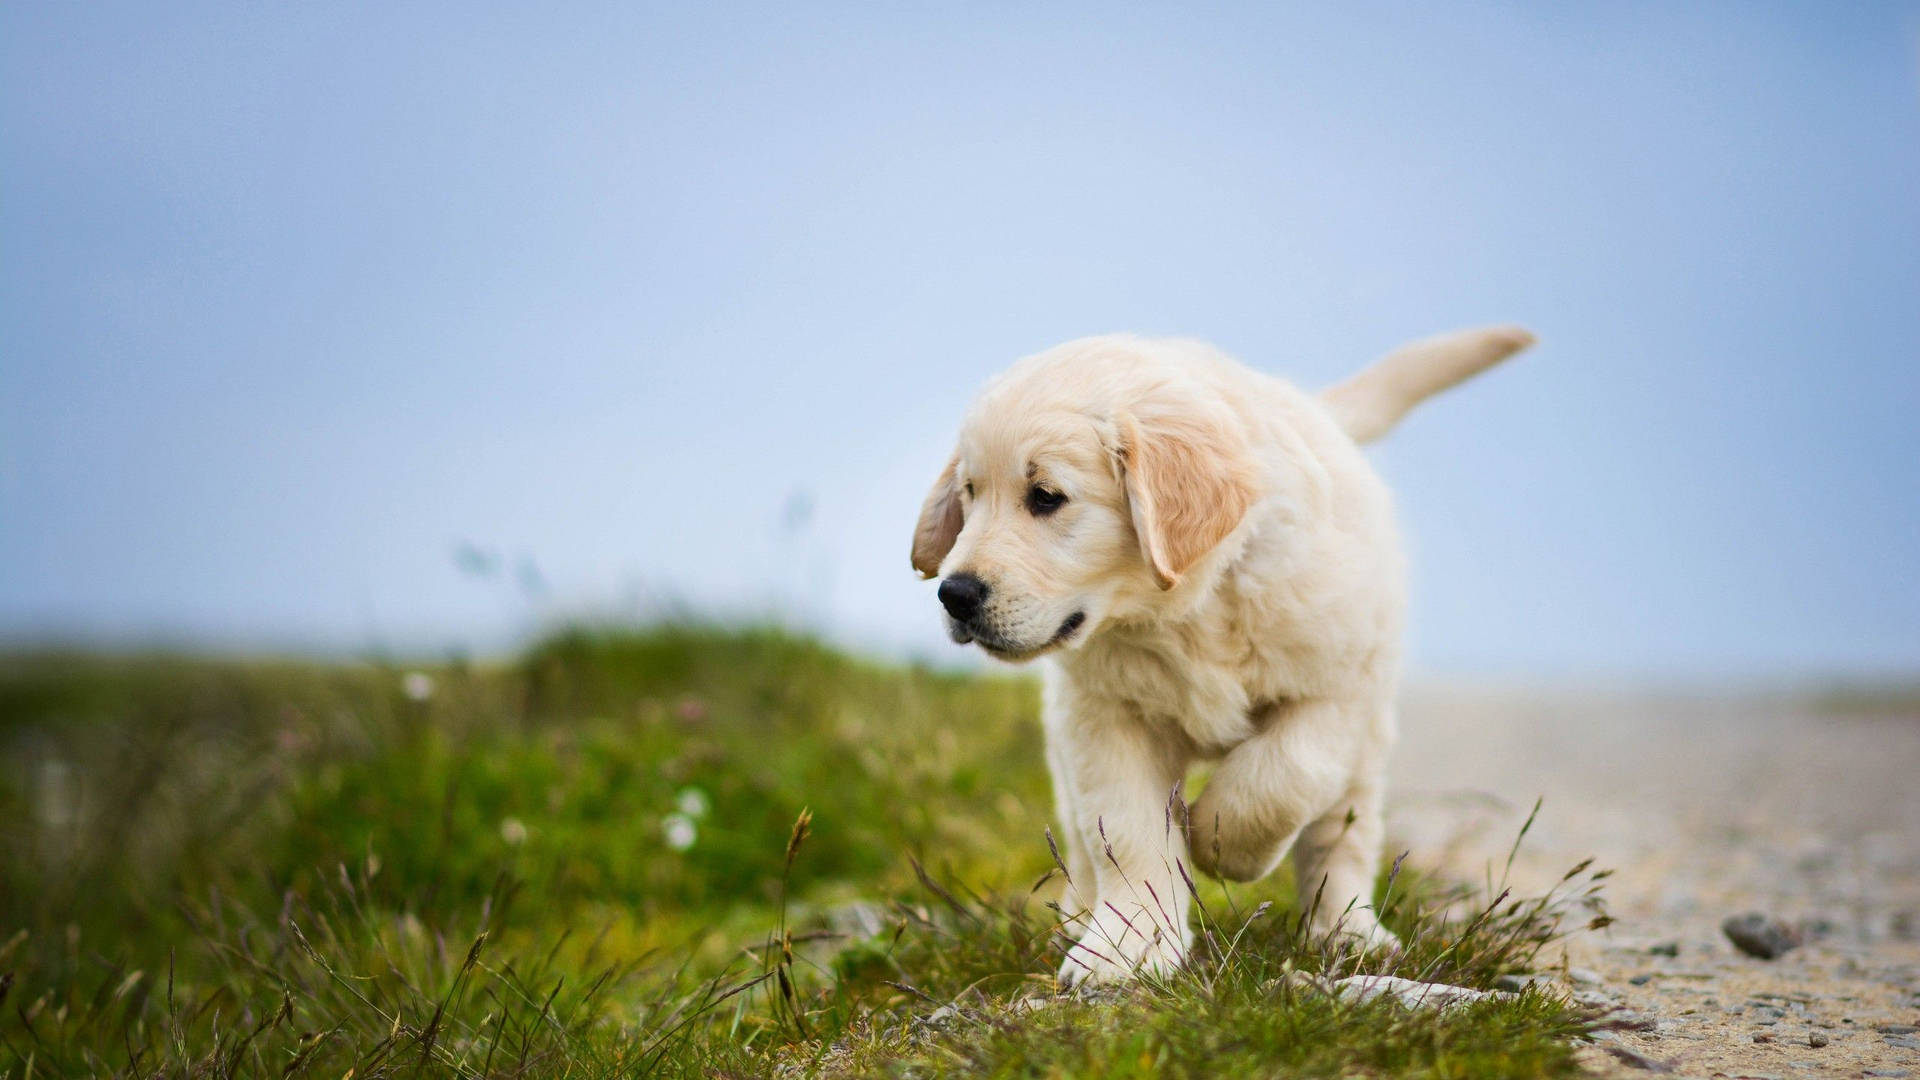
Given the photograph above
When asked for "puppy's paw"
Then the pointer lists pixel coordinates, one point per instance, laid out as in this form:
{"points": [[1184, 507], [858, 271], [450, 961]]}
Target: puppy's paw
{"points": [[1113, 949], [1220, 851]]}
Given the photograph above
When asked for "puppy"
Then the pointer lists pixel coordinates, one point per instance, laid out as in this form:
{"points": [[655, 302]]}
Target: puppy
{"points": [[1212, 567]]}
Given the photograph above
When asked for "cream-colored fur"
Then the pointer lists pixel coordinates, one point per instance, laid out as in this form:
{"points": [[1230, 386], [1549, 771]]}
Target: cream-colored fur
{"points": [[1222, 582]]}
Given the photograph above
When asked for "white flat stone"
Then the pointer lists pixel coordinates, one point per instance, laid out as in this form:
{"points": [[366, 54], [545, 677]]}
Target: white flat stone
{"points": [[1414, 995]]}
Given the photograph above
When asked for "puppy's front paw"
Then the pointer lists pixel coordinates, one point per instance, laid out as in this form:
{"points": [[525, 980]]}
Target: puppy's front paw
{"points": [[1221, 851], [1114, 949]]}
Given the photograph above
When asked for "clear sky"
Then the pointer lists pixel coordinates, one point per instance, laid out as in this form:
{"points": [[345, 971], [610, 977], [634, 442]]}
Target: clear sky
{"points": [[409, 325]]}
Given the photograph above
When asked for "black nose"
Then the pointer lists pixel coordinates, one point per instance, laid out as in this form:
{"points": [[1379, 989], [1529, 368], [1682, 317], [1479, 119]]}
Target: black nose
{"points": [[962, 595]]}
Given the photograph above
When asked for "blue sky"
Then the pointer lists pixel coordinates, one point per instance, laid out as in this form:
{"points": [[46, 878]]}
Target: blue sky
{"points": [[675, 306]]}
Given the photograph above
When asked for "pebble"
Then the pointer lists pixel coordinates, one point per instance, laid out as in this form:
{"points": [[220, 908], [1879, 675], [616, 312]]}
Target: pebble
{"points": [[1666, 948], [1517, 983], [1816, 1040], [1757, 935], [1628, 1020], [1888, 1072], [1637, 1059], [1762, 1037], [1896, 1029], [1641, 980], [1903, 1042], [1584, 977]]}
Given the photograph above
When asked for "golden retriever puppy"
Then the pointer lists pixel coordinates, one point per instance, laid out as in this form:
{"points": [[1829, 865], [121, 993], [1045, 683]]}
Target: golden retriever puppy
{"points": [[1212, 566]]}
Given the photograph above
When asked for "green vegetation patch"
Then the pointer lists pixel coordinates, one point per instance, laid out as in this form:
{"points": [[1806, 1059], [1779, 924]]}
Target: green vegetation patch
{"points": [[595, 862]]}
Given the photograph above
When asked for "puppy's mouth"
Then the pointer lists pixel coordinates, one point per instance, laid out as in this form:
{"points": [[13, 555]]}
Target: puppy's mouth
{"points": [[1002, 649]]}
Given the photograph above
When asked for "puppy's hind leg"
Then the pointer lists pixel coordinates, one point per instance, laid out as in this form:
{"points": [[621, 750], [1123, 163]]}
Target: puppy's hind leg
{"points": [[1334, 862]]}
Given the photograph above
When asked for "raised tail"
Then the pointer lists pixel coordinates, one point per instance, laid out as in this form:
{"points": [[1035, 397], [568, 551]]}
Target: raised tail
{"points": [[1369, 404]]}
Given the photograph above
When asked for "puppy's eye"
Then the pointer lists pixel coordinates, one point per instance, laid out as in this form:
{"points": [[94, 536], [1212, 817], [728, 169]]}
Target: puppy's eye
{"points": [[1041, 502], [969, 489]]}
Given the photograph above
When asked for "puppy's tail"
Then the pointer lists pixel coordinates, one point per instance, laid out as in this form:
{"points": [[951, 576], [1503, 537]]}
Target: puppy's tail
{"points": [[1369, 404]]}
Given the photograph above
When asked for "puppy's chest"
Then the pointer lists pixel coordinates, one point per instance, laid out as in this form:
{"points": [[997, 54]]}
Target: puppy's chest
{"points": [[1213, 695]]}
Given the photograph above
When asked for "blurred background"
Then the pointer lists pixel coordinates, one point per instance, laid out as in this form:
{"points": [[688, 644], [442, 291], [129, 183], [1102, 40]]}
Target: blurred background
{"points": [[412, 329], [451, 452]]}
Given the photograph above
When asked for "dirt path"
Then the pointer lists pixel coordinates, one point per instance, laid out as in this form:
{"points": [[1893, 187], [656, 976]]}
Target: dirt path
{"points": [[1706, 809]]}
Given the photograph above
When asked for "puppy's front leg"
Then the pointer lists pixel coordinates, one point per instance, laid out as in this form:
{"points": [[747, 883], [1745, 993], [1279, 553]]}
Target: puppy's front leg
{"points": [[1271, 787], [1076, 858], [1119, 780]]}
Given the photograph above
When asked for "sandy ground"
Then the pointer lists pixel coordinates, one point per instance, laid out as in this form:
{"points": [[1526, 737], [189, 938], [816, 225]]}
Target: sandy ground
{"points": [[1705, 808]]}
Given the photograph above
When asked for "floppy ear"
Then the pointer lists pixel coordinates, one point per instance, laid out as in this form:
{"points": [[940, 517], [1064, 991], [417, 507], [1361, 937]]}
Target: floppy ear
{"points": [[939, 525], [1190, 479]]}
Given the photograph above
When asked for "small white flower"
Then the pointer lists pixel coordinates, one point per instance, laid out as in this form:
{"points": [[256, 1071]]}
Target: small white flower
{"points": [[679, 831], [417, 685], [513, 831], [693, 802]]}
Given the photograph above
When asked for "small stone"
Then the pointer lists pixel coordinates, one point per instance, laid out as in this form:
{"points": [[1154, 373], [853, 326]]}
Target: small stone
{"points": [[1517, 983], [1905, 925], [1637, 1060], [1888, 1072], [1896, 1029], [1757, 935], [1641, 979], [1584, 977], [1666, 948], [1816, 1040], [1762, 1037], [1904, 1042]]}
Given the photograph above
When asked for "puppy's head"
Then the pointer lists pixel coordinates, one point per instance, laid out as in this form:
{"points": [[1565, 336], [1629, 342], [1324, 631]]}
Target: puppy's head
{"points": [[1086, 485]]}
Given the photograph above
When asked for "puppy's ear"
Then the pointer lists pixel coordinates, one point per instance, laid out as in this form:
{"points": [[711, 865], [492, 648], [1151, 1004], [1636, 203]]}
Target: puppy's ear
{"points": [[1189, 479], [940, 522]]}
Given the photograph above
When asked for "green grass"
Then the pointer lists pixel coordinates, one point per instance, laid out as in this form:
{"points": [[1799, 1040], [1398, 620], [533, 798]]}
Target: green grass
{"points": [[587, 863]]}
